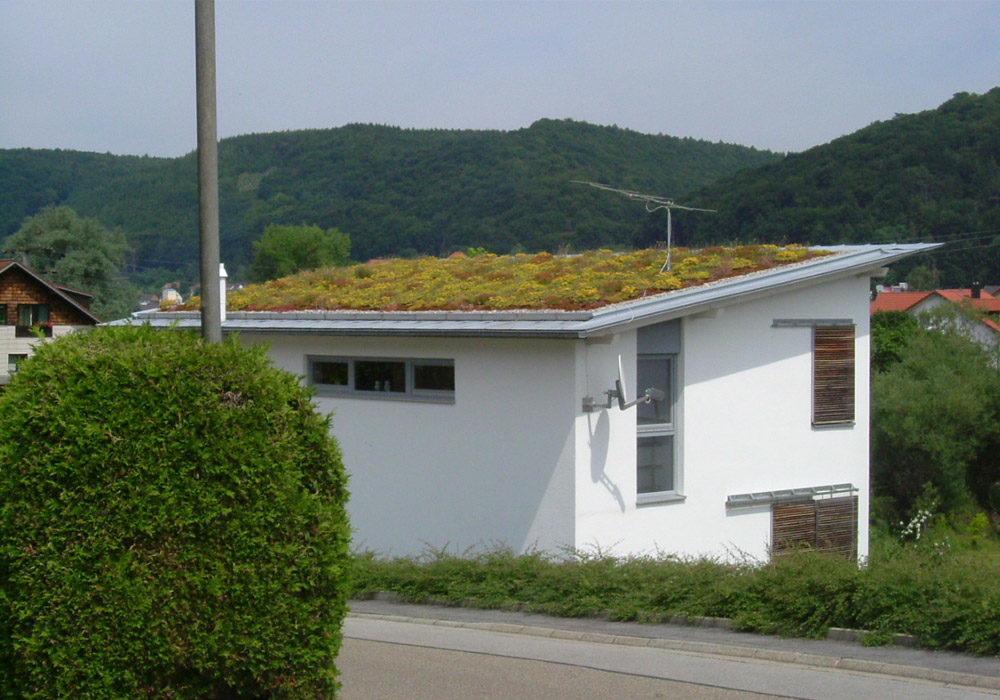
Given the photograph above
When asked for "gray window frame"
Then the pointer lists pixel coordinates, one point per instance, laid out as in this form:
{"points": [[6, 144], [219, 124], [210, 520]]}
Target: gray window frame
{"points": [[409, 392], [646, 431]]}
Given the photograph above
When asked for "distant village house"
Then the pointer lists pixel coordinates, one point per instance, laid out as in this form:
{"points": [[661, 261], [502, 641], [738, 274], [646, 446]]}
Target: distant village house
{"points": [[979, 309], [31, 305]]}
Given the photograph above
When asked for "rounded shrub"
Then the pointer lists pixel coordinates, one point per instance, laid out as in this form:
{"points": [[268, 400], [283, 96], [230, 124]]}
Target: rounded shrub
{"points": [[172, 523]]}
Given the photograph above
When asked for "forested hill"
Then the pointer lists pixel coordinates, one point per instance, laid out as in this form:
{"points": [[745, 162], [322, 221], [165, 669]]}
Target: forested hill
{"points": [[930, 176], [394, 191]]}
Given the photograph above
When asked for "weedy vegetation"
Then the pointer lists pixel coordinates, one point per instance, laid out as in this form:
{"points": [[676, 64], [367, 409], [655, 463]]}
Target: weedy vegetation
{"points": [[947, 595]]}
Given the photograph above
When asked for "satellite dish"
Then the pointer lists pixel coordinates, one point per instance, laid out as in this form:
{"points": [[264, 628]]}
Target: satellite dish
{"points": [[620, 386], [621, 392]]}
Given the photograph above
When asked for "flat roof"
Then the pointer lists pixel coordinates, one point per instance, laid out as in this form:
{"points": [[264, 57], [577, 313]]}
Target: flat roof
{"points": [[844, 262]]}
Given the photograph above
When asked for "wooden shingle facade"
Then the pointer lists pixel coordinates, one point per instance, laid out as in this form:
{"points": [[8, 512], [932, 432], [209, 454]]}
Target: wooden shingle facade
{"points": [[31, 306]]}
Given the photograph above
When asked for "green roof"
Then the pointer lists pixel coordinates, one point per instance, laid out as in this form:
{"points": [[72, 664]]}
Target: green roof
{"points": [[490, 282]]}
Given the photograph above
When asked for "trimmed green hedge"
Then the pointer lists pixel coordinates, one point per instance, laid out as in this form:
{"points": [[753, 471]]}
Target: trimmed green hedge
{"points": [[173, 523]]}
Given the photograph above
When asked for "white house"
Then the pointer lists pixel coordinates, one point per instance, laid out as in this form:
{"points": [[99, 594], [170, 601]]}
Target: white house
{"points": [[484, 429]]}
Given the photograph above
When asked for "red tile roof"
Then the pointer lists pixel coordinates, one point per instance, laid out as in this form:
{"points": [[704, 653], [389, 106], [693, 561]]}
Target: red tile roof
{"points": [[904, 301], [986, 302], [898, 301]]}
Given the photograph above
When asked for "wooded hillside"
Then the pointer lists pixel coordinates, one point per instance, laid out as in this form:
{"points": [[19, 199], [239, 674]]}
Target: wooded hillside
{"points": [[393, 191], [930, 176]]}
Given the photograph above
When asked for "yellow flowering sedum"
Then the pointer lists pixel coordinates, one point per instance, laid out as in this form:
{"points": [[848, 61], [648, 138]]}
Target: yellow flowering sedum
{"points": [[525, 281]]}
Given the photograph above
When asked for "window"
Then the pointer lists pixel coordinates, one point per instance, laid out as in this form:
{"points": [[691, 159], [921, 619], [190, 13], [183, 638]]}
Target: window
{"points": [[380, 375], [655, 425], [31, 315], [833, 375], [3, 314], [657, 464], [429, 376], [384, 378], [14, 361], [331, 373]]}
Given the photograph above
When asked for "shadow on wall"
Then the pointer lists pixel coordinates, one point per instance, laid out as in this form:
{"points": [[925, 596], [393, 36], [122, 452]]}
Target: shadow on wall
{"points": [[600, 437]]}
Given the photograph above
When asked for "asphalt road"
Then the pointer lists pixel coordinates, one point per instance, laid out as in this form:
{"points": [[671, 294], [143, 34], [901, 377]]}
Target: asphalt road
{"points": [[375, 670], [395, 656]]}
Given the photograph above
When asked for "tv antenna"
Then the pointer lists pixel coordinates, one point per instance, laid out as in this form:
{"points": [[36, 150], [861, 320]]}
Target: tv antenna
{"points": [[653, 203]]}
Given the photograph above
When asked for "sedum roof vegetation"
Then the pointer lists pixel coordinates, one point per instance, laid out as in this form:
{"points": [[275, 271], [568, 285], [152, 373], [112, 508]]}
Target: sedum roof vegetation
{"points": [[509, 282]]}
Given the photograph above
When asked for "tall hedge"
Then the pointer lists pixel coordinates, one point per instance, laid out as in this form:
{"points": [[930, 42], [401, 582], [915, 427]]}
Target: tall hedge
{"points": [[172, 523]]}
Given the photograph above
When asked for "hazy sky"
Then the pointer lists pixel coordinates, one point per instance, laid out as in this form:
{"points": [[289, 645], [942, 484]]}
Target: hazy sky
{"points": [[118, 75]]}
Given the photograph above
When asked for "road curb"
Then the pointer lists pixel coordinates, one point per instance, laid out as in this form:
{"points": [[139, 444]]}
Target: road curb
{"points": [[844, 663]]}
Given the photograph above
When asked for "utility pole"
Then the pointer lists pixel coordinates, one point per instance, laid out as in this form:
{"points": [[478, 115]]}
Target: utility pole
{"points": [[208, 170]]}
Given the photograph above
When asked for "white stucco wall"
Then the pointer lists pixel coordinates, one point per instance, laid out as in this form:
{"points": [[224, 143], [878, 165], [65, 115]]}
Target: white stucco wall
{"points": [[744, 426], [493, 469], [517, 462]]}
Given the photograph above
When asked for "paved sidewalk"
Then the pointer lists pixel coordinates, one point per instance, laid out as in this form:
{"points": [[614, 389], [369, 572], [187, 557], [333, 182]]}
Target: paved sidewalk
{"points": [[939, 666]]}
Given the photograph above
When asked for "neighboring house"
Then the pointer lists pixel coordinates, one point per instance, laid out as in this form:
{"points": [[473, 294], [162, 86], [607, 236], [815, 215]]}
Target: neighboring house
{"points": [[482, 429], [29, 303], [982, 323]]}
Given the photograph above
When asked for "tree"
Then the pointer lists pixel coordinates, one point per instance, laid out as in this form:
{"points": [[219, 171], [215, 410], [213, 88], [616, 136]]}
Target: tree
{"points": [[284, 250], [924, 278], [79, 253], [936, 421], [172, 524], [890, 332]]}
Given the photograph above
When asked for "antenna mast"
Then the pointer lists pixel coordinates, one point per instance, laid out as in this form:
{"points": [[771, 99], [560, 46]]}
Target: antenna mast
{"points": [[653, 203]]}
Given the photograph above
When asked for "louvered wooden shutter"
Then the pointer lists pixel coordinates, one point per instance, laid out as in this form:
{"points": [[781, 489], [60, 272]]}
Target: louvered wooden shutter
{"points": [[837, 526], [793, 526], [833, 374], [826, 525]]}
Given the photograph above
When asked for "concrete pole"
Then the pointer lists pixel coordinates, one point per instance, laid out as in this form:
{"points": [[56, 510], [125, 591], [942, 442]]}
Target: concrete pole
{"points": [[208, 170]]}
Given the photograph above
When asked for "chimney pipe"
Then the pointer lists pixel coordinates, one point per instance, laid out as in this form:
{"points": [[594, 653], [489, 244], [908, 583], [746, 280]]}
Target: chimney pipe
{"points": [[977, 290], [222, 292]]}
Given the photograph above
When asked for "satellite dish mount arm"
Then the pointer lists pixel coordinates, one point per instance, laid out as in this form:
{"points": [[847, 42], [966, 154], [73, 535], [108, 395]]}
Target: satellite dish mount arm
{"points": [[651, 394]]}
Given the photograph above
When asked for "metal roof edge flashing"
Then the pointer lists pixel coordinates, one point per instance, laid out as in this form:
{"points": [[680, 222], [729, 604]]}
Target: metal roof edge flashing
{"points": [[412, 316], [845, 261]]}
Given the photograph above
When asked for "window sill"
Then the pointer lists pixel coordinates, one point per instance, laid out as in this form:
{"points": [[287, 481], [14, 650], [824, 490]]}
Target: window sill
{"points": [[382, 396], [648, 499], [30, 331], [843, 424]]}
